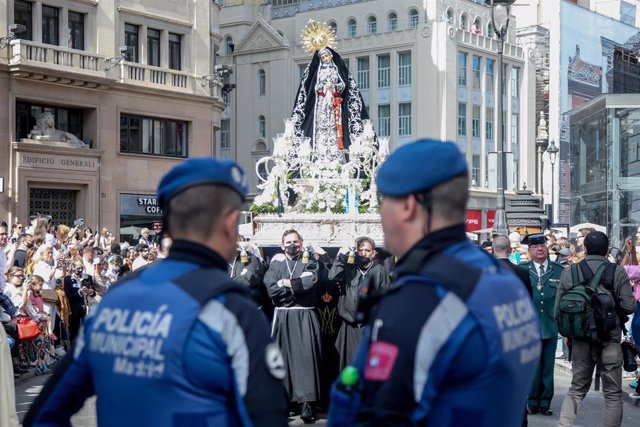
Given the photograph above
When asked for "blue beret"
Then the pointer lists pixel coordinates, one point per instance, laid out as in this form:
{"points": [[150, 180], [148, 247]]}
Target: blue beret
{"points": [[420, 166], [201, 171]]}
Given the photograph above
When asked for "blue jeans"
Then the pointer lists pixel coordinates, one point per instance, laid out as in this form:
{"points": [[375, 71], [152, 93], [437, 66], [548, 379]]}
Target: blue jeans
{"points": [[635, 327]]}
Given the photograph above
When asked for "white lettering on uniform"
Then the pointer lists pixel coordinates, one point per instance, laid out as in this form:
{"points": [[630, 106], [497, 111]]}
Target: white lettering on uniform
{"points": [[135, 338], [519, 331]]}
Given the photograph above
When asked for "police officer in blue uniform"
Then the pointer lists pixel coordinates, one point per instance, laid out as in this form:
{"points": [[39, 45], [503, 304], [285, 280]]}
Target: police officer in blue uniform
{"points": [[455, 340], [177, 343]]}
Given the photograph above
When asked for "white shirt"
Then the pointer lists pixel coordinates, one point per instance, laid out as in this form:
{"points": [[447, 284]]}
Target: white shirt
{"points": [[3, 268], [546, 266], [44, 270], [139, 262]]}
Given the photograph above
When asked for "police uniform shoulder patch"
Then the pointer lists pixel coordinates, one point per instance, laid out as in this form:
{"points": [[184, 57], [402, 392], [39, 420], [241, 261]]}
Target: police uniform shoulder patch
{"points": [[275, 361]]}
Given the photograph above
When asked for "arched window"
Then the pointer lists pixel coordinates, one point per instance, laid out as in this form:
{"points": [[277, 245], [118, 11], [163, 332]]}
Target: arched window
{"points": [[413, 18], [262, 127], [476, 27], [373, 25], [490, 32], [262, 82], [449, 16], [464, 22], [352, 27], [334, 27], [392, 22], [228, 42]]}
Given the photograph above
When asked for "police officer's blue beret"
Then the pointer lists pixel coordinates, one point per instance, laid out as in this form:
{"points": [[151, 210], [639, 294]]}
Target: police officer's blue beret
{"points": [[201, 171], [420, 166]]}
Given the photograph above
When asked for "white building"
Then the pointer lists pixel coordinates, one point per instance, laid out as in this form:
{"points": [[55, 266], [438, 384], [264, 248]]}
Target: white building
{"points": [[423, 72], [124, 76]]}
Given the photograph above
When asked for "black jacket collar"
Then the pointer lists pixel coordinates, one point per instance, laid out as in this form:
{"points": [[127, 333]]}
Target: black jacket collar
{"points": [[184, 250]]}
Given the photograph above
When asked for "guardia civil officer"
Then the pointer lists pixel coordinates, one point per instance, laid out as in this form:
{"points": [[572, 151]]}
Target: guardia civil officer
{"points": [[544, 275], [455, 339], [177, 343]]}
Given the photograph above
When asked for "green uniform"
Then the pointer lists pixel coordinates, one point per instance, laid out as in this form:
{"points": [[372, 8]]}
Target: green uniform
{"points": [[544, 297]]}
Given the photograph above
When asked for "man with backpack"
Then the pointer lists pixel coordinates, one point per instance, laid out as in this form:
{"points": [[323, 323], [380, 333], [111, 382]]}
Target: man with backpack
{"points": [[592, 303]]}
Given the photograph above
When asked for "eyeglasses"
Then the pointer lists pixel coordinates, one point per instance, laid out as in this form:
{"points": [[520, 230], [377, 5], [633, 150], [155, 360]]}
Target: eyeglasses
{"points": [[539, 246], [20, 276], [4, 234]]}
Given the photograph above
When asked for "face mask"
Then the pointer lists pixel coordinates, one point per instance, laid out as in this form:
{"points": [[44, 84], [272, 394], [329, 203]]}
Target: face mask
{"points": [[362, 260], [78, 271], [292, 249], [553, 257]]}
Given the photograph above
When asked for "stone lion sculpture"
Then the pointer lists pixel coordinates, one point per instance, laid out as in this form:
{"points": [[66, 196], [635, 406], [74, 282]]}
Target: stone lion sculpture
{"points": [[45, 130]]}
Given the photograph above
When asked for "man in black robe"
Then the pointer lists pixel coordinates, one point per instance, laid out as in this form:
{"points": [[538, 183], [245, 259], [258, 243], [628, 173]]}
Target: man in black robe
{"points": [[246, 268], [291, 282], [351, 272]]}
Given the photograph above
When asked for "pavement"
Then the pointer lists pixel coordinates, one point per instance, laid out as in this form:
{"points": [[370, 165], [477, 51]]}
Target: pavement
{"points": [[590, 415]]}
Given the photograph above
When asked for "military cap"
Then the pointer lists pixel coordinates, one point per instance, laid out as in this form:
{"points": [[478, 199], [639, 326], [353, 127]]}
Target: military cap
{"points": [[201, 171], [534, 239], [420, 166]]}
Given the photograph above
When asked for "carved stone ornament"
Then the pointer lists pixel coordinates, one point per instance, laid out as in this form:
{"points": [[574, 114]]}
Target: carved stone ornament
{"points": [[45, 131]]}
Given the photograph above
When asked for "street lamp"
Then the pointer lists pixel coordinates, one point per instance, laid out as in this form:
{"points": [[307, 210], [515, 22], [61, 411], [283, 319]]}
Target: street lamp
{"points": [[552, 150], [500, 12]]}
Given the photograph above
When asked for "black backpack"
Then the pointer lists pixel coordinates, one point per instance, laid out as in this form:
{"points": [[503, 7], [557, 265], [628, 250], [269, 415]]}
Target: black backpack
{"points": [[584, 311]]}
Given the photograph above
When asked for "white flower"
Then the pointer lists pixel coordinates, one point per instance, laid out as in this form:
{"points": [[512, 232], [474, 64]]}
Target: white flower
{"points": [[322, 205]]}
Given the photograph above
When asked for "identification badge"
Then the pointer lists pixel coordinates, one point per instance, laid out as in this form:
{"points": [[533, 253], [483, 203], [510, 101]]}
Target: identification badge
{"points": [[76, 285], [380, 361]]}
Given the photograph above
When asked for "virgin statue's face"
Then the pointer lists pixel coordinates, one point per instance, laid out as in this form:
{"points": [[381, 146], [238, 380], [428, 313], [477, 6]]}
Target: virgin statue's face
{"points": [[325, 58]]}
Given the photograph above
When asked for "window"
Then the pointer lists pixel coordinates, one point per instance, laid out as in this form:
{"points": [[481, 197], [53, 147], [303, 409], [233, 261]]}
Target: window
{"points": [[475, 121], [475, 64], [225, 134], [334, 27], [262, 82], [352, 27], [175, 51], [229, 46], [131, 41], [146, 135], [462, 119], [384, 120], [373, 25], [413, 18], [462, 69], [516, 174], [515, 82], [384, 71], [489, 125], [449, 16], [50, 30], [404, 68], [262, 127], [22, 15], [404, 119], [627, 13], [505, 68], [76, 30], [66, 119], [475, 171], [392, 22], [515, 131], [464, 23], [490, 31], [363, 72], [489, 75], [153, 47]]}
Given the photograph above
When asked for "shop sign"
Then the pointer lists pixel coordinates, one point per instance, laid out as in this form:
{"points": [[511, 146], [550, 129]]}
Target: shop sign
{"points": [[139, 204]]}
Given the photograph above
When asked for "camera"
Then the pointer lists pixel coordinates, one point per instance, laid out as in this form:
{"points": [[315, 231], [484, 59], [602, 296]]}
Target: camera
{"points": [[629, 353]]}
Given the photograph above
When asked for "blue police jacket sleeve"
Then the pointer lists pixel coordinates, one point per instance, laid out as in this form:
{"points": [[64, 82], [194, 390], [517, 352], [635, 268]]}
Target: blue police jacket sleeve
{"points": [[65, 392], [232, 332]]}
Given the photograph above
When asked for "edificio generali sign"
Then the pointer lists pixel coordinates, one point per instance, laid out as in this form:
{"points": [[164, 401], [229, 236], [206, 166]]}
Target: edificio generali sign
{"points": [[56, 161]]}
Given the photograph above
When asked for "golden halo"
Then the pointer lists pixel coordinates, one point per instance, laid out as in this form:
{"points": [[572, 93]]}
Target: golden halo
{"points": [[316, 36]]}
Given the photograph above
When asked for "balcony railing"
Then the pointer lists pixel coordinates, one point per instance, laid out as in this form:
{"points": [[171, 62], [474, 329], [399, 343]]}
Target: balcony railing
{"points": [[489, 44], [25, 52], [131, 72]]}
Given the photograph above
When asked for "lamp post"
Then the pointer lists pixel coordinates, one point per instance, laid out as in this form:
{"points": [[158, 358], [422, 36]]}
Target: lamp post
{"points": [[552, 150], [500, 12]]}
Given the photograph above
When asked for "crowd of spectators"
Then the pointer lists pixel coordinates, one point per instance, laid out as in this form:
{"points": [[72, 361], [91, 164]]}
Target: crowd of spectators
{"points": [[53, 274]]}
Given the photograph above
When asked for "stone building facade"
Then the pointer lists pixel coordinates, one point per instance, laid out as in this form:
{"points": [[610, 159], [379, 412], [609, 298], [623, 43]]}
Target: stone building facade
{"points": [[130, 78], [423, 72]]}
